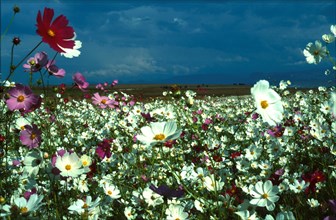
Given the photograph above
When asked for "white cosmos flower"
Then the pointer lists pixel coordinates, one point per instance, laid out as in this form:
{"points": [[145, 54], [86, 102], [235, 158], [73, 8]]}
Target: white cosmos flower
{"points": [[328, 38], [264, 194], [112, 191], [314, 53], [70, 165], [176, 212], [268, 102], [25, 207], [159, 132], [74, 52], [333, 29]]}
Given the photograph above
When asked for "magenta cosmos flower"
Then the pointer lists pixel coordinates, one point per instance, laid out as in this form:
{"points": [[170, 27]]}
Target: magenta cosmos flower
{"points": [[35, 64], [22, 98], [57, 33], [102, 101], [30, 136], [80, 81], [54, 70]]}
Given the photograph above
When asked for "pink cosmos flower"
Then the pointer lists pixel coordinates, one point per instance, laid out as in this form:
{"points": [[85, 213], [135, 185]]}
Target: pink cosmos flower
{"points": [[30, 136], [80, 81], [54, 70], [102, 101], [21, 97], [35, 64]]}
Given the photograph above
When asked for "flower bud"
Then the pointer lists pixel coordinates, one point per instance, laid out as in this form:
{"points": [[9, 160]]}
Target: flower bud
{"points": [[16, 40], [16, 9]]}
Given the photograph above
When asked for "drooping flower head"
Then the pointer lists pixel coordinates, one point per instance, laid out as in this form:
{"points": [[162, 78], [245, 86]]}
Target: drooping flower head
{"points": [[36, 63], [57, 33], [30, 136], [80, 81], [21, 97], [167, 192], [54, 70], [268, 102]]}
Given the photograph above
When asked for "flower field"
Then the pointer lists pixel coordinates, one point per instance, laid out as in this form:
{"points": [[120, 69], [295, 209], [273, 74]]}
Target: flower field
{"points": [[270, 155]]}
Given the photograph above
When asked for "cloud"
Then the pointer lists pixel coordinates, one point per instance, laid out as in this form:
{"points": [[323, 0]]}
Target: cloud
{"points": [[231, 59]]}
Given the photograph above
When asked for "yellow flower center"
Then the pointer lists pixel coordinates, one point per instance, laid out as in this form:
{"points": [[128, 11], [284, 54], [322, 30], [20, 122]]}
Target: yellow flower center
{"points": [[20, 98], [24, 210], [32, 136], [109, 192], [68, 167], [32, 62], [159, 137], [85, 163], [316, 52], [265, 195], [85, 206], [51, 33], [264, 104], [103, 101]]}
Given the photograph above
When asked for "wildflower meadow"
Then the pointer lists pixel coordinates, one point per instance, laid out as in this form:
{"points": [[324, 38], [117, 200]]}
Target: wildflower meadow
{"points": [[270, 155]]}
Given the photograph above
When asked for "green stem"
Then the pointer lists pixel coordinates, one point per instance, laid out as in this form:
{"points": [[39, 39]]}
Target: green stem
{"points": [[13, 68], [9, 24]]}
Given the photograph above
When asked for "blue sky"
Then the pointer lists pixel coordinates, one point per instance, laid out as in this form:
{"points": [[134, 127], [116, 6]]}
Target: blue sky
{"points": [[210, 42]]}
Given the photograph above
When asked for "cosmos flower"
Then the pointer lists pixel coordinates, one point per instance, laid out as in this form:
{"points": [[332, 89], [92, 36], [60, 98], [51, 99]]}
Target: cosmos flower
{"points": [[30, 136], [264, 195], [314, 53], [54, 70], [25, 206], [36, 63], [74, 52], [80, 81], [57, 33], [159, 132], [21, 97], [102, 101], [176, 212], [268, 102], [70, 165], [167, 192]]}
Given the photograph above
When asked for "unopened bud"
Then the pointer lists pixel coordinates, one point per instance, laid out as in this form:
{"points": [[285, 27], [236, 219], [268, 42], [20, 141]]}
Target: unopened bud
{"points": [[16, 41], [16, 9]]}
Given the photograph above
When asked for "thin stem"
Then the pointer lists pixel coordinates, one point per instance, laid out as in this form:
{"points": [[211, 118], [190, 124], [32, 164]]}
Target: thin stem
{"points": [[13, 68], [9, 24]]}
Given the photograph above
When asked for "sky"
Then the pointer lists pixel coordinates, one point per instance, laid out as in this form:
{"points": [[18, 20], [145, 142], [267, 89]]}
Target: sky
{"points": [[183, 42]]}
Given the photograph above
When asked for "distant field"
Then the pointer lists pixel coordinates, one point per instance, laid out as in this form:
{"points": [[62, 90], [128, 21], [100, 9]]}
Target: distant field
{"points": [[145, 91]]}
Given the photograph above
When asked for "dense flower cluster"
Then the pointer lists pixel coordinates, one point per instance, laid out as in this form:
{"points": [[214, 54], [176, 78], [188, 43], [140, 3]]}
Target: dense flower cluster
{"points": [[270, 155]]}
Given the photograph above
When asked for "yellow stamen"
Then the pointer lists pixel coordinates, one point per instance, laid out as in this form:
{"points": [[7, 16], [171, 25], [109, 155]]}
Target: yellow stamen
{"points": [[85, 163], [103, 101], [265, 195], [85, 206], [20, 98], [109, 192], [51, 33], [264, 104], [68, 167], [24, 210], [32, 136], [159, 137]]}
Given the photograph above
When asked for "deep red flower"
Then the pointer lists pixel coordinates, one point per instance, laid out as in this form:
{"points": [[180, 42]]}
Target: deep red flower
{"points": [[57, 33]]}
